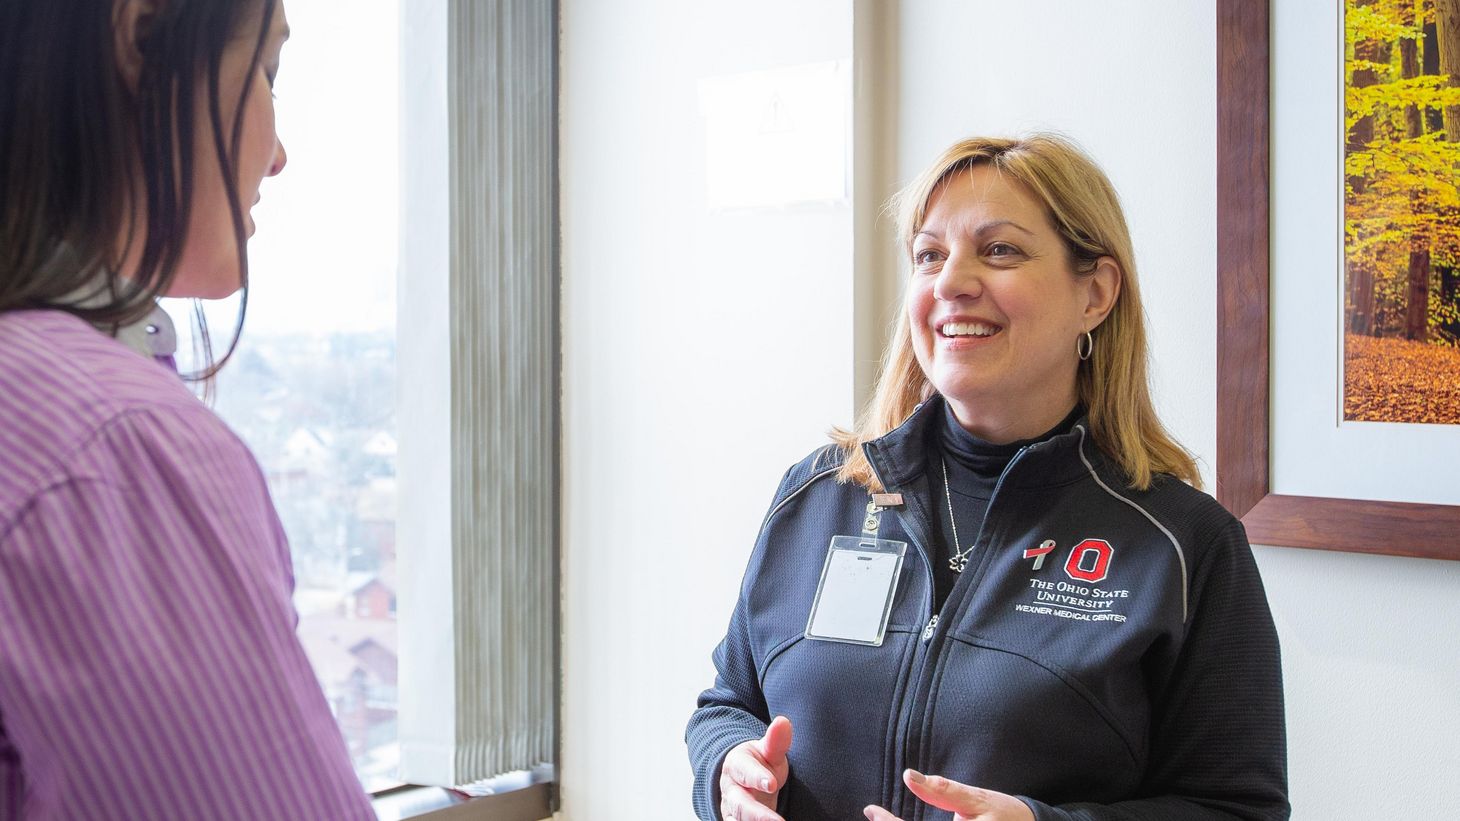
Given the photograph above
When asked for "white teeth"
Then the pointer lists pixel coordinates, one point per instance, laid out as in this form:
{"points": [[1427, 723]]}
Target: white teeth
{"points": [[968, 329]]}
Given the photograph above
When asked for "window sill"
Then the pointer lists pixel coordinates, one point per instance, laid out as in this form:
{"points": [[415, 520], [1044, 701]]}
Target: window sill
{"points": [[531, 803], [528, 802]]}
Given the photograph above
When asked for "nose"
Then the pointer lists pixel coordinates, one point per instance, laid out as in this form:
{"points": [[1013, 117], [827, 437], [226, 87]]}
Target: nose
{"points": [[959, 278], [281, 157]]}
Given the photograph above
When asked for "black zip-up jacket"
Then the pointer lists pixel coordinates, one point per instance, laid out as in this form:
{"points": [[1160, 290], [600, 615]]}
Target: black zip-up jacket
{"points": [[1133, 675]]}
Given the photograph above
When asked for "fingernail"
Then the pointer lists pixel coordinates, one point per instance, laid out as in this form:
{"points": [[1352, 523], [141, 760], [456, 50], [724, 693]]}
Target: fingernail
{"points": [[915, 777], [765, 785], [867, 812]]}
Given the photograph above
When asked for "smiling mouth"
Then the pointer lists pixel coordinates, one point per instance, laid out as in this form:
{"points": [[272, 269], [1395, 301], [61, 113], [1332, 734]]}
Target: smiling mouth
{"points": [[968, 330]]}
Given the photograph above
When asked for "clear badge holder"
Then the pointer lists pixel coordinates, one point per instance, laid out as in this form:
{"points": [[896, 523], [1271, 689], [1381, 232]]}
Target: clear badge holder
{"points": [[858, 583]]}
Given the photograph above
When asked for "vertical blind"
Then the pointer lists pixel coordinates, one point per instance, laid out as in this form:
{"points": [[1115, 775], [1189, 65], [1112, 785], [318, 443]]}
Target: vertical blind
{"points": [[479, 440], [503, 333]]}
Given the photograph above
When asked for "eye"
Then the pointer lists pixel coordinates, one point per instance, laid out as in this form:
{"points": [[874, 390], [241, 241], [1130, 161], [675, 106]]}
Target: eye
{"points": [[927, 256], [1001, 250]]}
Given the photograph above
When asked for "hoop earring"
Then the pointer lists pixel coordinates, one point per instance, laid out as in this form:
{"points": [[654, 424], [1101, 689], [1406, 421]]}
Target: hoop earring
{"points": [[1088, 347]]}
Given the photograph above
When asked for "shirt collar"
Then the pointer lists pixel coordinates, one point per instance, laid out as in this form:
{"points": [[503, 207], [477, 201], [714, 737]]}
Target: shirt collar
{"points": [[900, 456], [152, 336]]}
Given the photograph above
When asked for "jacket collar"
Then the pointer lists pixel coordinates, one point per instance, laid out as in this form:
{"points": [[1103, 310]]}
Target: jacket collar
{"points": [[901, 455]]}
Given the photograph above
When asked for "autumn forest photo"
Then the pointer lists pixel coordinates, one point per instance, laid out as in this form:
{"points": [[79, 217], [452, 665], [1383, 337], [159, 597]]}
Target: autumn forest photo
{"points": [[1402, 211]]}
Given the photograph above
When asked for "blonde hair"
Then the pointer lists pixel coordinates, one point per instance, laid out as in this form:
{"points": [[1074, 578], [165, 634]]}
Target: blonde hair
{"points": [[1112, 384]]}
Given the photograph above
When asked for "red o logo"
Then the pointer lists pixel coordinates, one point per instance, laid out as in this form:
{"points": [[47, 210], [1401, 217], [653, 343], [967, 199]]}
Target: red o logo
{"points": [[1090, 560]]}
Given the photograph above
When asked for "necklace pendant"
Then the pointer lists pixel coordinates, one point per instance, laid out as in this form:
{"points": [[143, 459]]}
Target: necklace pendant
{"points": [[957, 563]]}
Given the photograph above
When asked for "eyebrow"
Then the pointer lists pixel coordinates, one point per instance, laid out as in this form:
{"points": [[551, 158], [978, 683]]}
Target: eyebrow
{"points": [[982, 229]]}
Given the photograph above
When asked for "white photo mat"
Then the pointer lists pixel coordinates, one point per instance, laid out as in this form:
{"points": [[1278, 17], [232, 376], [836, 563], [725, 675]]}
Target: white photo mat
{"points": [[1315, 452]]}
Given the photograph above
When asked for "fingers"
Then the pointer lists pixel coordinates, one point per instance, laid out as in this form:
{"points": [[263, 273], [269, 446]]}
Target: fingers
{"points": [[746, 770], [965, 801], [777, 741], [753, 772], [948, 795], [739, 804], [876, 813]]}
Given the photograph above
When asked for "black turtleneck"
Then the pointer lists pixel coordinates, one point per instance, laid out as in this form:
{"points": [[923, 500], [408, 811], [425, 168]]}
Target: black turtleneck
{"points": [[974, 467]]}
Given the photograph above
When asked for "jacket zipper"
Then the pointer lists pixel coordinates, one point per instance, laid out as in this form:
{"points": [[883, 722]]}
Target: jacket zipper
{"points": [[922, 549], [916, 659], [928, 631], [911, 748]]}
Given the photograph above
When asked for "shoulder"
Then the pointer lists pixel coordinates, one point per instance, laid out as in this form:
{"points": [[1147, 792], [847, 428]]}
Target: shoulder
{"points": [[1186, 515], [825, 461], [1198, 521], [1173, 498], [820, 464], [819, 467], [1195, 510], [68, 391]]}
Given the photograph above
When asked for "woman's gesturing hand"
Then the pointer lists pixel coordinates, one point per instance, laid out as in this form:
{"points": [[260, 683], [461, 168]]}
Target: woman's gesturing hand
{"points": [[753, 774], [967, 803]]}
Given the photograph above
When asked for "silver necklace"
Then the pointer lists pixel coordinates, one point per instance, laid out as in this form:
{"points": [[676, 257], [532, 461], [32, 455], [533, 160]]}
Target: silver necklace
{"points": [[960, 558]]}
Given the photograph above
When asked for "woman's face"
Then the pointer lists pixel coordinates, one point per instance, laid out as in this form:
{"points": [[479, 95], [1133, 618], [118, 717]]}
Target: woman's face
{"points": [[209, 264], [995, 306]]}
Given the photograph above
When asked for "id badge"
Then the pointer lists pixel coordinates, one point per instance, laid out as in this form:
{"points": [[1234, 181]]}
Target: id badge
{"points": [[858, 582]]}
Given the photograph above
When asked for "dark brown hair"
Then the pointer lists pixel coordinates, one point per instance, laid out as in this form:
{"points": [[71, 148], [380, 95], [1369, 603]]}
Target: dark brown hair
{"points": [[71, 134]]}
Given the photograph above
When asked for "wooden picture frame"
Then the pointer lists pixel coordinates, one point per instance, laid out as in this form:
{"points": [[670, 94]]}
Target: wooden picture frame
{"points": [[1243, 316]]}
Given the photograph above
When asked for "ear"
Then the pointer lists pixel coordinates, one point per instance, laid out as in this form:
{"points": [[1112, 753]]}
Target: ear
{"points": [[1101, 288], [132, 22]]}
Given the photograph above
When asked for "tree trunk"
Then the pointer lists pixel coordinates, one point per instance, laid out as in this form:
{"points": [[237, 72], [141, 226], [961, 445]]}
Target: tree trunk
{"points": [[1444, 51], [1361, 299], [1430, 64], [1409, 69], [1417, 295], [1450, 294], [1447, 21], [1360, 278]]}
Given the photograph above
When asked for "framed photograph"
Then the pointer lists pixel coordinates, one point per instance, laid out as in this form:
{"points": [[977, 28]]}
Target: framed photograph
{"points": [[1361, 222]]}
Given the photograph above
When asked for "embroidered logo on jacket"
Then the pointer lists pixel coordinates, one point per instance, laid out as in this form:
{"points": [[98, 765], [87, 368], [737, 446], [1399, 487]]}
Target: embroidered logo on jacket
{"points": [[1090, 561], [1082, 598], [1045, 548]]}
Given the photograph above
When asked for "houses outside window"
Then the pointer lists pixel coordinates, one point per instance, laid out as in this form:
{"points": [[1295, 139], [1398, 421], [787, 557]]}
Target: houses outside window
{"points": [[311, 388]]}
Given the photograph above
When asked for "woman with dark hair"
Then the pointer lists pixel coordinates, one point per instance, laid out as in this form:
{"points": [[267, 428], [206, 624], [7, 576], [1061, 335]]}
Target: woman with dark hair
{"points": [[148, 661]]}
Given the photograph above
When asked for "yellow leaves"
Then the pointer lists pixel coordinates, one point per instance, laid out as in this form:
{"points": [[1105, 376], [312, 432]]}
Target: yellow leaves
{"points": [[1372, 23], [1400, 192], [1395, 380], [1419, 161], [1383, 70], [1390, 158], [1425, 92]]}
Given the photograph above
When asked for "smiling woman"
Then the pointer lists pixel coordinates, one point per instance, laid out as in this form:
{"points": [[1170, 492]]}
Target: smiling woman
{"points": [[1076, 224], [993, 305], [1077, 631]]}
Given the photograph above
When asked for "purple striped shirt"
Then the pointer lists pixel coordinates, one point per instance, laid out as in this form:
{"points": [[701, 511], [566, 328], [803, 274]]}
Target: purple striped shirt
{"points": [[148, 662]]}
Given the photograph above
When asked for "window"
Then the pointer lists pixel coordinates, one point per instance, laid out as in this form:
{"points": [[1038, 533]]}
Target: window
{"points": [[312, 386], [427, 604]]}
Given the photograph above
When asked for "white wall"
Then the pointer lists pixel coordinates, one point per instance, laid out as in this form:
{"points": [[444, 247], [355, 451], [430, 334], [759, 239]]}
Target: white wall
{"points": [[1371, 664], [703, 353], [1372, 672]]}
